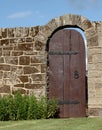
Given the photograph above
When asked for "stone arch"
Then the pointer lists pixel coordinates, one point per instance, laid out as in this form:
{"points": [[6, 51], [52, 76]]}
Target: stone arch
{"points": [[75, 21], [68, 20]]}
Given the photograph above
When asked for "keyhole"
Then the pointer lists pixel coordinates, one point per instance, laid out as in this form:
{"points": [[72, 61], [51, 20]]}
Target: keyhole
{"points": [[76, 74]]}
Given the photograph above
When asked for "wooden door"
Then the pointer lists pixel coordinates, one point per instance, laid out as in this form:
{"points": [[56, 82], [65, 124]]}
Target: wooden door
{"points": [[66, 75]]}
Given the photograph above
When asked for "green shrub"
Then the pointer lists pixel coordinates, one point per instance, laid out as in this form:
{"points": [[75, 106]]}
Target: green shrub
{"points": [[51, 107], [21, 106], [42, 108], [4, 114], [32, 107], [25, 107]]}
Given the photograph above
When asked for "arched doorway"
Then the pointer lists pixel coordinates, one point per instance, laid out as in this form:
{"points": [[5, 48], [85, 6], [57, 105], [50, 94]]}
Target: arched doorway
{"points": [[66, 75]]}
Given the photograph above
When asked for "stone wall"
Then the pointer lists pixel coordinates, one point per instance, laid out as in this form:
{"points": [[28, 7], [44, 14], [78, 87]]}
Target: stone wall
{"points": [[22, 61], [23, 58], [95, 70]]}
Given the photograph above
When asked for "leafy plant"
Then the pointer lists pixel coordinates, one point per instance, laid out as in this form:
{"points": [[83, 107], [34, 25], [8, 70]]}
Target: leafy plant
{"points": [[42, 108], [4, 114], [32, 107], [51, 108], [18, 107]]}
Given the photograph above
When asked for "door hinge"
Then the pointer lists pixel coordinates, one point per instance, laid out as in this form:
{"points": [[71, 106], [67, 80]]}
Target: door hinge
{"points": [[63, 53]]}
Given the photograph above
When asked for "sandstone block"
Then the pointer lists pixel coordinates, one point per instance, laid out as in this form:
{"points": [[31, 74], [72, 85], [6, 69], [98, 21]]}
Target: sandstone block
{"points": [[4, 42], [24, 60], [93, 41], [5, 89], [97, 58], [11, 32], [95, 111], [39, 45], [17, 53], [0, 52], [4, 33], [1, 59], [86, 24], [6, 53], [4, 67], [25, 46], [38, 77], [19, 85], [33, 86], [38, 59], [8, 48], [30, 70], [29, 39], [23, 79], [43, 68], [1, 74], [11, 60], [33, 31]]}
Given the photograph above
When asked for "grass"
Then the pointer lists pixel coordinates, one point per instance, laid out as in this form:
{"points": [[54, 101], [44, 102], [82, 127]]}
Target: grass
{"points": [[54, 124]]}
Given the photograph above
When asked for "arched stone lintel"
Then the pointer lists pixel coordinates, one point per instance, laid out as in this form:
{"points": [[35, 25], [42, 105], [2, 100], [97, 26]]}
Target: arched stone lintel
{"points": [[69, 20]]}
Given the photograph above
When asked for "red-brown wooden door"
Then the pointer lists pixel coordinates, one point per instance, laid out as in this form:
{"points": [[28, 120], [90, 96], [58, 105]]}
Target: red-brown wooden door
{"points": [[66, 75]]}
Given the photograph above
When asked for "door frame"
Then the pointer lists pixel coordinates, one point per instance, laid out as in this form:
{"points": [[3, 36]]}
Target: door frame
{"points": [[47, 49]]}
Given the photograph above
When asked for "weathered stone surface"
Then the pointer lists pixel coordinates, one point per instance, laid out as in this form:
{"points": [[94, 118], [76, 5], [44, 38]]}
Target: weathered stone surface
{"points": [[98, 86], [86, 24], [33, 86], [93, 41], [5, 89], [4, 42], [37, 92], [38, 59], [33, 31], [30, 70], [90, 32], [0, 53], [39, 45], [11, 32], [95, 111], [1, 74], [25, 32], [19, 85], [8, 48], [97, 58], [29, 39], [11, 81], [4, 33], [6, 53], [21, 40], [38, 77], [4, 67], [23, 78], [17, 53], [11, 60], [30, 53], [13, 41], [24, 60], [18, 32], [43, 68], [1, 59], [24, 47], [9, 75]]}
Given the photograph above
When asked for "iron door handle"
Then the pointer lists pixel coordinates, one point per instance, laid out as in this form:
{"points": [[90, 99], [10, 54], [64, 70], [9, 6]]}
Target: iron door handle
{"points": [[76, 74]]}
